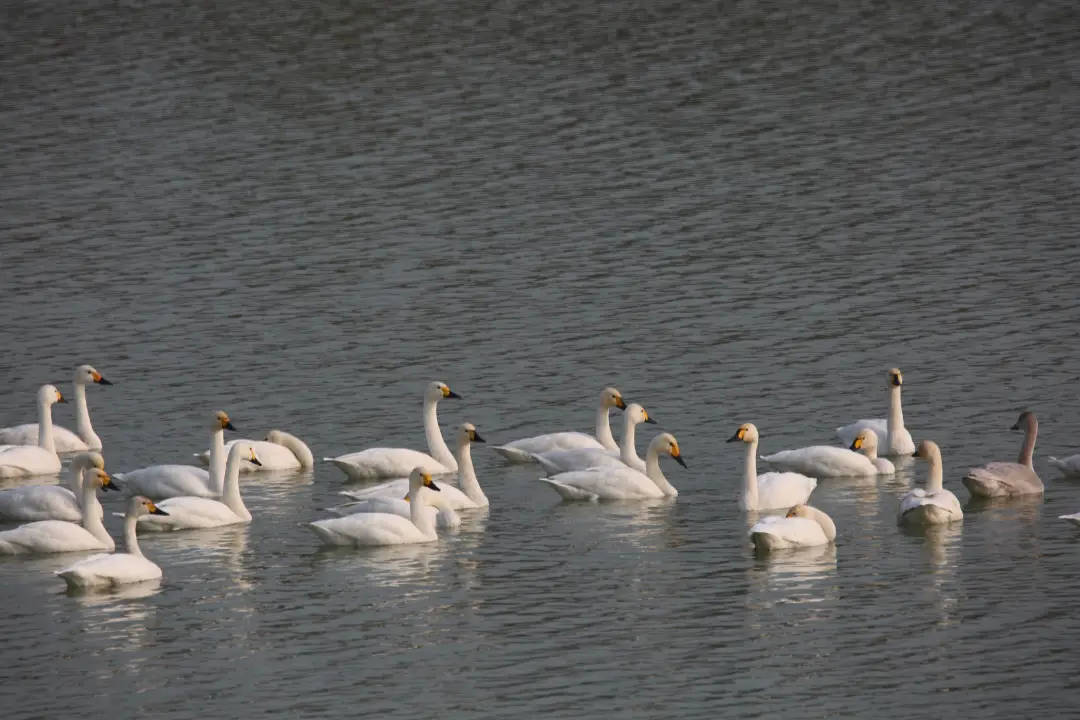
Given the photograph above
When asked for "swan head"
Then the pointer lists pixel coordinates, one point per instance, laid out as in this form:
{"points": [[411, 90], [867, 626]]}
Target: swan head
{"points": [[246, 452], [798, 511], [467, 434], [98, 478], [141, 505], [275, 436], [1026, 418], [666, 444], [438, 390], [927, 450], [418, 479], [636, 414], [746, 433], [895, 378], [611, 397], [89, 459], [221, 421], [866, 441], [49, 395], [85, 374]]}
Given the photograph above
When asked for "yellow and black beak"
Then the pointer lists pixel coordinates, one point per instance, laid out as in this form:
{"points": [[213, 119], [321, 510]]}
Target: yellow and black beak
{"points": [[60, 397], [448, 393], [790, 513], [429, 483], [227, 425], [620, 403], [895, 380], [254, 460], [678, 458], [856, 443], [100, 380], [475, 436], [737, 436], [108, 484], [648, 419], [155, 510]]}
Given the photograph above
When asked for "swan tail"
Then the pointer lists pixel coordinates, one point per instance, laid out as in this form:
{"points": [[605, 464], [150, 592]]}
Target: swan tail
{"points": [[569, 492], [980, 482], [513, 454]]}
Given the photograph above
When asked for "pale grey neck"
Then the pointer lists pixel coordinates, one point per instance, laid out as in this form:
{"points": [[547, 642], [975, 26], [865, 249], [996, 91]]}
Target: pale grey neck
{"points": [[656, 474], [895, 421], [82, 418], [217, 460], [1027, 450], [750, 493], [467, 475], [603, 429], [934, 482], [421, 518], [627, 448], [131, 537], [91, 515], [45, 426], [231, 492], [436, 444]]}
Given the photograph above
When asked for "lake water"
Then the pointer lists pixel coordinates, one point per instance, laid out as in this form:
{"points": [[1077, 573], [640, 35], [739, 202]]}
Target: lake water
{"points": [[301, 213]]}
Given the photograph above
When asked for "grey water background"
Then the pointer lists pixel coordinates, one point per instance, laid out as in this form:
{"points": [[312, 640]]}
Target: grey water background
{"points": [[301, 213]]}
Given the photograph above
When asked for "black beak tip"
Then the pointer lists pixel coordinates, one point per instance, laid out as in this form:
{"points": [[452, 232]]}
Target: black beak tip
{"points": [[158, 511], [255, 461], [453, 394], [229, 426], [477, 438], [434, 487], [103, 381], [852, 446], [733, 438], [678, 459], [1016, 426], [651, 421]]}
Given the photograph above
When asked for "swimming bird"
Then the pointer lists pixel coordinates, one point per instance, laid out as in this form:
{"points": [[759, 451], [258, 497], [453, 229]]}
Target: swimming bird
{"points": [[771, 490], [372, 529], [803, 526], [561, 461], [893, 437], [109, 570], [63, 439], [41, 459], [935, 505], [866, 442], [524, 450], [279, 450], [57, 536], [165, 481], [999, 479], [30, 503], [620, 482]]}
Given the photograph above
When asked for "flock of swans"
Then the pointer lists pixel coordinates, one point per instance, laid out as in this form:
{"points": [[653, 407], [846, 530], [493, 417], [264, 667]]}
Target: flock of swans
{"points": [[414, 495]]}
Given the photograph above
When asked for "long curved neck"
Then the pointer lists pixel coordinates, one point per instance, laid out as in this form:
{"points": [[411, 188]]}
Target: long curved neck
{"points": [[750, 494], [217, 460], [467, 475], [131, 538], [869, 451], [230, 495], [826, 523], [436, 444], [627, 448], [895, 421], [421, 518], [75, 479], [82, 418], [934, 482], [298, 448], [45, 428], [1027, 450], [91, 515], [603, 428], [652, 469]]}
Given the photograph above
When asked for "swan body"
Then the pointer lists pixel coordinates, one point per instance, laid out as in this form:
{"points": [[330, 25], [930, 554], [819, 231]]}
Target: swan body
{"points": [[65, 441], [185, 513], [562, 461], [621, 482], [450, 498], [823, 461], [934, 505], [772, 490], [803, 526], [999, 479], [279, 450], [50, 502], [57, 536], [893, 437], [525, 450], [374, 529], [443, 517], [41, 459], [1069, 467], [165, 481], [380, 463], [866, 442], [110, 570]]}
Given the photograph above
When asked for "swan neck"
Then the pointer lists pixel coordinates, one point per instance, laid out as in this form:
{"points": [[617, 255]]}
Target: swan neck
{"points": [[656, 474], [1027, 450], [603, 429], [895, 421], [45, 426], [91, 514], [826, 523], [131, 537], [421, 518], [75, 481], [217, 461], [628, 448], [436, 444], [934, 482], [298, 448], [231, 494], [750, 493], [82, 418], [467, 475]]}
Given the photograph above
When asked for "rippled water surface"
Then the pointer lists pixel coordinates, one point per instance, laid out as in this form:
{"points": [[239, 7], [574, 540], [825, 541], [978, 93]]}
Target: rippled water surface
{"points": [[301, 213]]}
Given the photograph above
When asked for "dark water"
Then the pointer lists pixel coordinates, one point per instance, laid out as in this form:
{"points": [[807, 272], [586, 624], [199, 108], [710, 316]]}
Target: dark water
{"points": [[733, 212]]}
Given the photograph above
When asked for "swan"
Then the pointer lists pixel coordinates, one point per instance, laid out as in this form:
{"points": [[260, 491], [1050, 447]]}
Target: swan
{"points": [[866, 442], [934, 505], [117, 568], [998, 479], [450, 498], [1074, 518], [50, 502], [65, 440], [163, 481], [379, 463], [444, 517], [803, 526], [562, 461], [611, 482], [55, 536], [368, 529], [185, 513], [893, 437], [1069, 466], [41, 459], [823, 461], [522, 451], [279, 450], [773, 489]]}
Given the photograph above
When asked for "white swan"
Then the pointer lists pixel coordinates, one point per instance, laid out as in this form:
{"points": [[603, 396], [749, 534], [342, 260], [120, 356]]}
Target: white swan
{"points": [[30, 503], [823, 461], [65, 441], [469, 496], [893, 437], [998, 479], [379, 463], [772, 490], [164, 481], [1068, 466], [41, 459], [185, 513], [55, 536], [370, 529], [611, 482], [444, 517], [562, 461], [113, 569], [279, 450], [522, 451], [934, 505], [803, 526], [866, 442]]}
